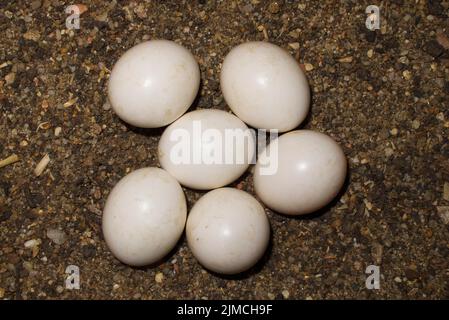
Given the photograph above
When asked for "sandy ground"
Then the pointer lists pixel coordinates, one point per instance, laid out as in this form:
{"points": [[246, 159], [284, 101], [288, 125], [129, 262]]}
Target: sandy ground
{"points": [[382, 95]]}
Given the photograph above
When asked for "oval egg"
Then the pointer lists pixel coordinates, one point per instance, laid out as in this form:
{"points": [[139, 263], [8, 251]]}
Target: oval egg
{"points": [[264, 86], [301, 172], [206, 149], [153, 83], [144, 216], [228, 231]]}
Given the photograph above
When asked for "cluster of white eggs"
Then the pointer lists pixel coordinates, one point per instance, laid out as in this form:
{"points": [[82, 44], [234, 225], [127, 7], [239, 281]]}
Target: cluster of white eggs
{"points": [[152, 85]]}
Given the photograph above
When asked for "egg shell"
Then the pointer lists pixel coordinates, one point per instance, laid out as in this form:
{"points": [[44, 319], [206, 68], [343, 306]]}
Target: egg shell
{"points": [[144, 216], [264, 86], [205, 174], [228, 231], [153, 83], [307, 173]]}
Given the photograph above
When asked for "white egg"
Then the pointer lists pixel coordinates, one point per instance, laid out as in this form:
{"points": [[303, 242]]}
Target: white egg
{"points": [[153, 83], [206, 149], [228, 231], [144, 216], [301, 172], [264, 86]]}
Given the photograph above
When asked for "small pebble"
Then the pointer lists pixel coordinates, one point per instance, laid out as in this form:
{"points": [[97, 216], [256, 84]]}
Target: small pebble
{"points": [[107, 106], [56, 235], [58, 131], [32, 35], [407, 75], [32, 243], [404, 60], [443, 40], [416, 124], [159, 277], [36, 4], [294, 45], [285, 294], [273, 7], [389, 152], [433, 48], [411, 273], [308, 66], [377, 252], [294, 34], [217, 101], [28, 266], [368, 204], [10, 78]]}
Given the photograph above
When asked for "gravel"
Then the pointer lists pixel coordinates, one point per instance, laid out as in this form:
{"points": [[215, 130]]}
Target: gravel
{"points": [[383, 95]]}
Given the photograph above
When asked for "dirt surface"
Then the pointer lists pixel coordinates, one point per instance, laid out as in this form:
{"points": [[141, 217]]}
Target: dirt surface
{"points": [[382, 95]]}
